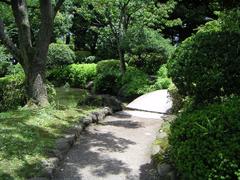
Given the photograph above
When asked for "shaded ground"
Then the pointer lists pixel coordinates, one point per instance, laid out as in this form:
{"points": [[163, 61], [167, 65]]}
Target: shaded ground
{"points": [[117, 149]]}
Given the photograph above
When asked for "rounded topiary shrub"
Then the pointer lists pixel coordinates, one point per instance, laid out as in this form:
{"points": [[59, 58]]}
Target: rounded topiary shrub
{"points": [[148, 49], [108, 66], [60, 55], [205, 143], [206, 66], [108, 75]]}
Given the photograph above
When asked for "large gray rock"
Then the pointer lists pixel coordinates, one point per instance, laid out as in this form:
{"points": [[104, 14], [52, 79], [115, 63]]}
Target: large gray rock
{"points": [[112, 102]]}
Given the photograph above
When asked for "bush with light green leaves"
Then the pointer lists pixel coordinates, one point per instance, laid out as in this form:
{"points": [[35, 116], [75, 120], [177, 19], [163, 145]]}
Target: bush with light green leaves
{"points": [[77, 75]]}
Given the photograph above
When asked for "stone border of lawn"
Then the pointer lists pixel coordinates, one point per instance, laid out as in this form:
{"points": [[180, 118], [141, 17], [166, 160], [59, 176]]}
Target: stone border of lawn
{"points": [[64, 144]]}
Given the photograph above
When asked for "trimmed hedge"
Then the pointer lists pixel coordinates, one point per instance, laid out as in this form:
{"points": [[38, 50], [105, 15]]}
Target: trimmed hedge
{"points": [[204, 143], [148, 50], [77, 75], [206, 66], [108, 66], [60, 55]]}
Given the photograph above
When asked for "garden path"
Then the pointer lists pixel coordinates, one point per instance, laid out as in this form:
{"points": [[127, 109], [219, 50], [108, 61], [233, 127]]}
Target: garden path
{"points": [[117, 149]]}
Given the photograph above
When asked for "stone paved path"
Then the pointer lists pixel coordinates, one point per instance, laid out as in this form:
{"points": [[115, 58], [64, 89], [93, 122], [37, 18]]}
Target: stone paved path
{"points": [[117, 149], [157, 101]]}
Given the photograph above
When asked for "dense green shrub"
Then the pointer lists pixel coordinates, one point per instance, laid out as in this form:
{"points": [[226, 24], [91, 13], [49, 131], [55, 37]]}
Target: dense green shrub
{"points": [[4, 65], [204, 143], [133, 83], [12, 93], [77, 75], [110, 81], [147, 62], [148, 50], [178, 101], [4, 61], [59, 55], [227, 21], [15, 69], [206, 66], [108, 75], [81, 56], [108, 66], [4, 56], [163, 81]]}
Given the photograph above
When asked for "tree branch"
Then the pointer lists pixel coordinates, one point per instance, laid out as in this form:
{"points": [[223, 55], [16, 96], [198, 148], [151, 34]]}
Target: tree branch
{"points": [[8, 43], [109, 19], [57, 7]]}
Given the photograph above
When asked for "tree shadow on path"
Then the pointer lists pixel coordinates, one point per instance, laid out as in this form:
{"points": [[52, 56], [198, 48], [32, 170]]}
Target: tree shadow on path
{"points": [[90, 156], [123, 123]]}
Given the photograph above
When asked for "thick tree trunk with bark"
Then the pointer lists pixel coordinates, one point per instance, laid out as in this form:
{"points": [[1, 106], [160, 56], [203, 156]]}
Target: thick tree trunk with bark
{"points": [[32, 59], [35, 85]]}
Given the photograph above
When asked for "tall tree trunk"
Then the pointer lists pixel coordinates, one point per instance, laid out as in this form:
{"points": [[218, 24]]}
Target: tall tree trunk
{"points": [[32, 59], [121, 54]]}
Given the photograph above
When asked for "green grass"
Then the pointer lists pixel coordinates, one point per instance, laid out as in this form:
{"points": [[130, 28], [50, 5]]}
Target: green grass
{"points": [[27, 135]]}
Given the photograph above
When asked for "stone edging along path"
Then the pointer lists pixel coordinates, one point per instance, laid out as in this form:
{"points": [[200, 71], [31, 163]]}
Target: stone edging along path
{"points": [[64, 144]]}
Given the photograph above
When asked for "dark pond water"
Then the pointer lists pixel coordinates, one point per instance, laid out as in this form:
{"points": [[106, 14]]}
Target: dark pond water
{"points": [[69, 96]]}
